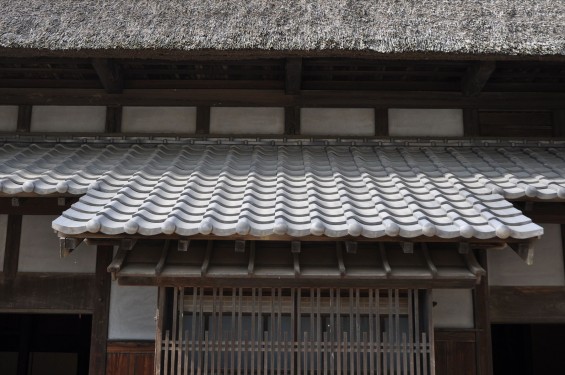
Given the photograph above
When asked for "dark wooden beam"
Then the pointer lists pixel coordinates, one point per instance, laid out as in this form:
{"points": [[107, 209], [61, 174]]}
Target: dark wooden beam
{"points": [[471, 122], [477, 77], [527, 305], [110, 74], [291, 120], [12, 249], [35, 205], [53, 292], [203, 120], [113, 119], [381, 122], [24, 118], [101, 309], [278, 98], [293, 76], [482, 320], [543, 212]]}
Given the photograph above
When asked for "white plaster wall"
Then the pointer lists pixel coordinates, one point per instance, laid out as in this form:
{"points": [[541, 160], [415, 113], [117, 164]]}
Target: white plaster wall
{"points": [[132, 312], [403, 122], [159, 119], [454, 308], [505, 267], [8, 118], [39, 249], [337, 121], [3, 230], [76, 119], [242, 120]]}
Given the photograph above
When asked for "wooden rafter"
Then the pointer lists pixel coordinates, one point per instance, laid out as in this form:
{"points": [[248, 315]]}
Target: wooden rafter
{"points": [[477, 77], [110, 74]]}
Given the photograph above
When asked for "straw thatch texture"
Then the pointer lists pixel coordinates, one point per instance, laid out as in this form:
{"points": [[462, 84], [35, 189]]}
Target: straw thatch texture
{"points": [[508, 27]]}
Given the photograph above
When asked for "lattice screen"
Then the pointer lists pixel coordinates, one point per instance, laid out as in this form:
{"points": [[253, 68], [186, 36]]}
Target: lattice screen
{"points": [[297, 331]]}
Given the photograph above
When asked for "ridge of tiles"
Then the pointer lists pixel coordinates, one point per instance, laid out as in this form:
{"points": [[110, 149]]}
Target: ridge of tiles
{"points": [[369, 191]]}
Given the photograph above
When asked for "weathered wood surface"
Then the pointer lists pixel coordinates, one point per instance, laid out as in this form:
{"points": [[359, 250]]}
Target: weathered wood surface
{"points": [[130, 358], [527, 305], [455, 352]]}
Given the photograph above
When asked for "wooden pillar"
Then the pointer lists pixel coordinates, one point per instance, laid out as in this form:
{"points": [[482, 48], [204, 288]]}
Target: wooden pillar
{"points": [[381, 122], [471, 122], [12, 249], [100, 313], [25, 344], [482, 321]]}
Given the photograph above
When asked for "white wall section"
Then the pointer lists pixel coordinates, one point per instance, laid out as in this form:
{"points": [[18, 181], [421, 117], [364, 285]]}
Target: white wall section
{"points": [[132, 312], [404, 122], [241, 120], [39, 249], [8, 118], [453, 309], [77, 119], [159, 119], [337, 121], [507, 268]]}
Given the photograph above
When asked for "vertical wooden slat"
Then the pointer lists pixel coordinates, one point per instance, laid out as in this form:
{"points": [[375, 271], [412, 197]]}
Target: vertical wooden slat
{"points": [[351, 332], [332, 335], [233, 329], [248, 349], [201, 330], [318, 333], [12, 247], [173, 333], [404, 354], [378, 329], [338, 328], [390, 339], [305, 352], [202, 120], [181, 330], [397, 328], [279, 331], [417, 330], [253, 337], [214, 331], [431, 351], [206, 351], [167, 352], [239, 329], [411, 330], [193, 333], [286, 345], [345, 352], [357, 330], [371, 333], [24, 118], [312, 334], [187, 349], [266, 353], [425, 354], [272, 331], [294, 338], [364, 341], [325, 352], [220, 333], [381, 122]]}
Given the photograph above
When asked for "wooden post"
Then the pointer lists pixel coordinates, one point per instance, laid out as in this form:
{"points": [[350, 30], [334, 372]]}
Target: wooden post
{"points": [[202, 120], [470, 122], [100, 313], [381, 122], [24, 118], [483, 343], [12, 249]]}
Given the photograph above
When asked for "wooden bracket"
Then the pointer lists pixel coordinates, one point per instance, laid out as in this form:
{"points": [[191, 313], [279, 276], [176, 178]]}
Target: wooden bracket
{"points": [[525, 250], [477, 77], [117, 262], [67, 245], [110, 74], [295, 247], [384, 258], [351, 247], [207, 257], [163, 259], [340, 262], [251, 263], [240, 246], [407, 247], [128, 243], [463, 248], [296, 263], [474, 266], [183, 245], [431, 266], [15, 202]]}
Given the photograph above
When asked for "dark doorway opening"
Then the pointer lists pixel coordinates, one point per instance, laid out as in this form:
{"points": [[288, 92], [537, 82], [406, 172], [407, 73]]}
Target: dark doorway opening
{"points": [[528, 349], [44, 344]]}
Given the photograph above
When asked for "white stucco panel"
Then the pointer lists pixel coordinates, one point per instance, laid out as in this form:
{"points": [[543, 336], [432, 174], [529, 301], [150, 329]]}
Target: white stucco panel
{"points": [[453, 308], [39, 249], [337, 121], [242, 120], [3, 230], [77, 119], [505, 267], [159, 119], [404, 122], [132, 312], [8, 118]]}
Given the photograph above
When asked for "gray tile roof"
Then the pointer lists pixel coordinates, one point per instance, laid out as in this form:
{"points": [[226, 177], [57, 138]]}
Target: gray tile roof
{"points": [[332, 190]]}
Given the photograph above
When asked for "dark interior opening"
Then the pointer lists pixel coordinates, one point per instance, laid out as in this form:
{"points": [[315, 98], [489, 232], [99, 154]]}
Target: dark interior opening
{"points": [[44, 344], [528, 349]]}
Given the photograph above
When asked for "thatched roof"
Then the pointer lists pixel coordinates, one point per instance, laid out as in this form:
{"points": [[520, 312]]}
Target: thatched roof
{"points": [[489, 27]]}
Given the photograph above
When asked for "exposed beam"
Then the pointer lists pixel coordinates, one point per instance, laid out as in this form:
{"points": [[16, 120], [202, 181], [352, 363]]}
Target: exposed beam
{"points": [[53, 292], [101, 309], [278, 98], [35, 206], [113, 119], [527, 305], [293, 76], [477, 77], [110, 74]]}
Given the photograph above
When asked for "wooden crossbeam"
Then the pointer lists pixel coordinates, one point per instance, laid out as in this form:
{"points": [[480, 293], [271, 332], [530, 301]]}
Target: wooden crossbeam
{"points": [[477, 77], [110, 74]]}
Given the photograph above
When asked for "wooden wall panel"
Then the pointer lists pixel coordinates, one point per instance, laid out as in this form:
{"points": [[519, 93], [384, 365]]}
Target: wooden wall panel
{"points": [[455, 352], [527, 305], [515, 123], [130, 358]]}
